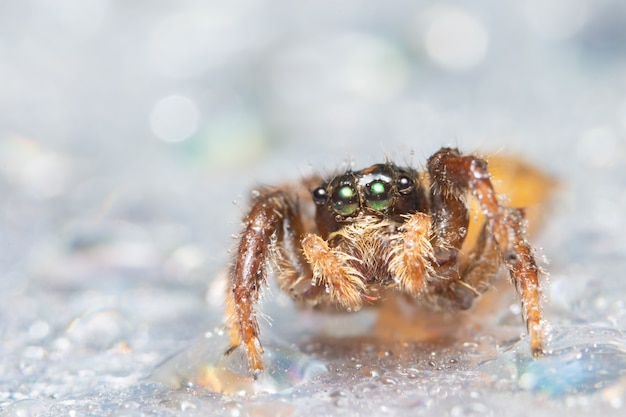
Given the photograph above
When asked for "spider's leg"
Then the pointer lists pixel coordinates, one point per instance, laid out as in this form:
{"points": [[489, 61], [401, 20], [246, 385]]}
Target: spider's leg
{"points": [[264, 227], [478, 272], [332, 272], [450, 219], [457, 174]]}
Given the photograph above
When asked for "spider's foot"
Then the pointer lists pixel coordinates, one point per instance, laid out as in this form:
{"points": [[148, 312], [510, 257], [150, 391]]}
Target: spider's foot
{"points": [[536, 341], [255, 361]]}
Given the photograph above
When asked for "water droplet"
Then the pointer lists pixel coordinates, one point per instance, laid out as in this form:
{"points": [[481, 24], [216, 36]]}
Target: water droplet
{"points": [[204, 365], [582, 360], [371, 371], [413, 373], [39, 329], [474, 409], [233, 408], [388, 380], [99, 329], [340, 402], [26, 408]]}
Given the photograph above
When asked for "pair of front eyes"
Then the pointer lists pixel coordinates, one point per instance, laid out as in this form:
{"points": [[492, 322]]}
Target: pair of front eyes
{"points": [[377, 195]]}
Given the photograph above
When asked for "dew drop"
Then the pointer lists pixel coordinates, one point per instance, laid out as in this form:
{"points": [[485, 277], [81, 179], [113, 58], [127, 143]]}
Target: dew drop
{"points": [[388, 381], [340, 402], [233, 408], [371, 371], [413, 373], [39, 329], [26, 408], [475, 409], [338, 393]]}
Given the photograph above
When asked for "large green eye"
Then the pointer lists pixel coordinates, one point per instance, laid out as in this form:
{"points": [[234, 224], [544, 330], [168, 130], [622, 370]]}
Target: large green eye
{"points": [[345, 200], [377, 195]]}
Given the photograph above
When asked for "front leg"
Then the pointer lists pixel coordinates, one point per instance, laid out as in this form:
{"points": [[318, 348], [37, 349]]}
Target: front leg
{"points": [[459, 174], [266, 224]]}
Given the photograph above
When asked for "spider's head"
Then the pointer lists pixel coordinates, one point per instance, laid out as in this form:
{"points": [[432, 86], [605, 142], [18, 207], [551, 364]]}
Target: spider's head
{"points": [[380, 190]]}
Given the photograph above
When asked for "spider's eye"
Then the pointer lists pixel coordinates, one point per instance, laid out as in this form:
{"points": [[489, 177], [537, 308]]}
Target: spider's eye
{"points": [[405, 185], [345, 200], [377, 195], [320, 196]]}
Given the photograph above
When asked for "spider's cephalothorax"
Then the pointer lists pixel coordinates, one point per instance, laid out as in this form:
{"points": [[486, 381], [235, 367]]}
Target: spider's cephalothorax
{"points": [[382, 190], [346, 240]]}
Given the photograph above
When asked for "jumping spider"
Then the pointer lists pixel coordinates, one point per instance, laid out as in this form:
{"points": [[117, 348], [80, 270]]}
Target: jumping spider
{"points": [[346, 240]]}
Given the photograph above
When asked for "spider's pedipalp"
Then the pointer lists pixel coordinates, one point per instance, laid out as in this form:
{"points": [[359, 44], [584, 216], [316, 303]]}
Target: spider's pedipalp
{"points": [[411, 260]]}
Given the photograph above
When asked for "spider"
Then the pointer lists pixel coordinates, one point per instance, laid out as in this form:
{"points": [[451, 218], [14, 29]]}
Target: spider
{"points": [[346, 240]]}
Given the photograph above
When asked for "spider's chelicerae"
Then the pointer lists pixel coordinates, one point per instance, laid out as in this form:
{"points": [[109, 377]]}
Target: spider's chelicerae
{"points": [[346, 240]]}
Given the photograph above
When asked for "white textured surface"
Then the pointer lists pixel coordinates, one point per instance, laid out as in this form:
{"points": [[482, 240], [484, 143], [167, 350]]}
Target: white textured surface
{"points": [[116, 202]]}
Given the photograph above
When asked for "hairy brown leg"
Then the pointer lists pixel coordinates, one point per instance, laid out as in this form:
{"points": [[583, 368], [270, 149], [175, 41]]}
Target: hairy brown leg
{"points": [[478, 272], [450, 218], [272, 219], [510, 232], [331, 271], [458, 174]]}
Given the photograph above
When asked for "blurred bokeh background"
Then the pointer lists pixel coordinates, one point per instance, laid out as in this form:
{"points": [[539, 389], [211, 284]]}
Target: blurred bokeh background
{"points": [[131, 133]]}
